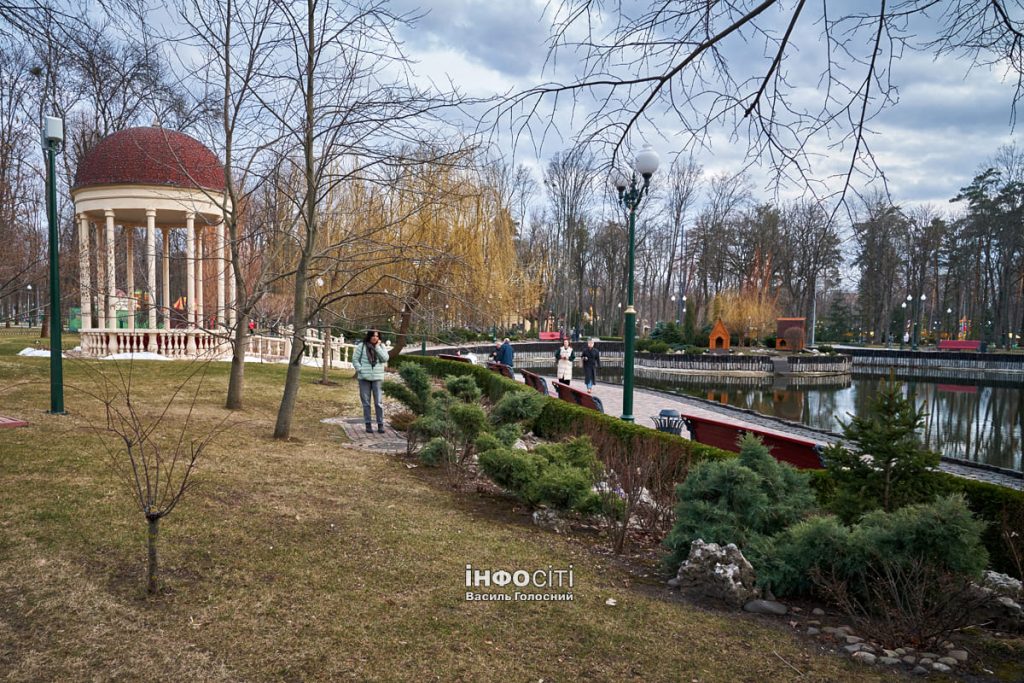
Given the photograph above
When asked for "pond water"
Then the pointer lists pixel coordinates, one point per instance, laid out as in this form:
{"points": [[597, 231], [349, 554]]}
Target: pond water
{"points": [[976, 421]]}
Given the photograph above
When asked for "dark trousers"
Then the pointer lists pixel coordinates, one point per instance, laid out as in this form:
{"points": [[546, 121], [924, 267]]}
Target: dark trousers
{"points": [[366, 388], [589, 375]]}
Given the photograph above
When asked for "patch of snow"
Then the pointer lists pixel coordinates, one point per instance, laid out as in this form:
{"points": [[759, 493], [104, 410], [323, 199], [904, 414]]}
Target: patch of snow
{"points": [[35, 353], [138, 355]]}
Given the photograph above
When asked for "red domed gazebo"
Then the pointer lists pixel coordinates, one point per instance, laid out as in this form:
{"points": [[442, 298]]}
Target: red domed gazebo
{"points": [[151, 178]]}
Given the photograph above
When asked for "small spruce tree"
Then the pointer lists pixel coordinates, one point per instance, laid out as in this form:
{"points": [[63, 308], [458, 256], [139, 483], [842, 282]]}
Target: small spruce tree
{"points": [[890, 468]]}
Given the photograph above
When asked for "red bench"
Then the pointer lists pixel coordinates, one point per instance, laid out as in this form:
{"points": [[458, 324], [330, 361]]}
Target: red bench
{"points": [[959, 344], [501, 369], [532, 379], [797, 452], [448, 356], [580, 398]]}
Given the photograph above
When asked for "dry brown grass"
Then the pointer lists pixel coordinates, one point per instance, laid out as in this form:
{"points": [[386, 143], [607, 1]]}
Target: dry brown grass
{"points": [[313, 561]]}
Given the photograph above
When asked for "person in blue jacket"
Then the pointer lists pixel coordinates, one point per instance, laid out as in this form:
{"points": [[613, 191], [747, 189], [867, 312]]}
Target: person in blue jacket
{"points": [[369, 360], [505, 353]]}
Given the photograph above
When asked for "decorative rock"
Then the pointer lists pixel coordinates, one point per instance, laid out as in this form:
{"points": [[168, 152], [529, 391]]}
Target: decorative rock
{"points": [[765, 607], [853, 649], [813, 622], [919, 671], [924, 661], [1003, 584], [890, 653], [550, 520], [941, 668], [674, 582], [900, 650], [958, 655], [889, 661], [948, 661], [795, 610], [831, 630], [818, 612], [854, 639], [720, 573], [929, 655], [909, 659], [812, 631], [847, 630], [864, 657]]}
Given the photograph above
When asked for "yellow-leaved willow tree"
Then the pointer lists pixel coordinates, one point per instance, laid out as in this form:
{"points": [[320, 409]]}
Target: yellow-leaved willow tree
{"points": [[431, 246]]}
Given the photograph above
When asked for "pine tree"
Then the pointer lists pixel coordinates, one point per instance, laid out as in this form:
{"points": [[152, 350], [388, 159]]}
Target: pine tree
{"points": [[890, 467]]}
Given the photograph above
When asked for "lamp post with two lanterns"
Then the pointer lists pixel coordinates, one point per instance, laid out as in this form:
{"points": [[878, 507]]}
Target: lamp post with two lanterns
{"points": [[631, 193]]}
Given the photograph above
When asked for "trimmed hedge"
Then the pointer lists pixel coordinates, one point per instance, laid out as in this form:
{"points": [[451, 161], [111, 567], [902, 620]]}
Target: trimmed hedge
{"points": [[623, 444]]}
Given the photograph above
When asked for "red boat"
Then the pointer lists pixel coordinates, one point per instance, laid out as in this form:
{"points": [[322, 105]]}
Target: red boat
{"points": [[800, 453]]}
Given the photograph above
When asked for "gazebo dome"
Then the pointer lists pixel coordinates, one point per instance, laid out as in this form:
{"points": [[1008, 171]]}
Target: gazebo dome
{"points": [[151, 156]]}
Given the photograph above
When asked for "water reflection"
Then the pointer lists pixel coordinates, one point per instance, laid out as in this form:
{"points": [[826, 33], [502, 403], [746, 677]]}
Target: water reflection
{"points": [[978, 422]]}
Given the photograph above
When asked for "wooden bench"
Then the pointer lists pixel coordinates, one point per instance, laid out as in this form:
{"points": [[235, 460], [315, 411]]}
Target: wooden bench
{"points": [[449, 356], [959, 344], [501, 369], [797, 452], [532, 379], [580, 398]]}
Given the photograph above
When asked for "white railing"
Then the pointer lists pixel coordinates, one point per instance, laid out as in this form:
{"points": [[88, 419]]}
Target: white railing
{"points": [[169, 343], [204, 344], [279, 348]]}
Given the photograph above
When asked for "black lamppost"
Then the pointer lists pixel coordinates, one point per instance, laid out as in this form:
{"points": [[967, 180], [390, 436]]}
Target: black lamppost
{"points": [[630, 195], [918, 310], [903, 336], [53, 142]]}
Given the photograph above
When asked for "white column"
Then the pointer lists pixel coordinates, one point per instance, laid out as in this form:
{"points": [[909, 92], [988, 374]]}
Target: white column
{"points": [[190, 270], [221, 318], [200, 258], [190, 277], [165, 259], [110, 285], [84, 273], [101, 280], [151, 273], [129, 272]]}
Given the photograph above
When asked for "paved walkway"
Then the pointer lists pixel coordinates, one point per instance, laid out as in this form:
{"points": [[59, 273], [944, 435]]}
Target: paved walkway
{"points": [[648, 403]]}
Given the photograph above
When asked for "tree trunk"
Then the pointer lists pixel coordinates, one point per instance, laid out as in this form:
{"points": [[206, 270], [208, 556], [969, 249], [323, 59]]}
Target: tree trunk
{"points": [[324, 379], [236, 382], [151, 567]]}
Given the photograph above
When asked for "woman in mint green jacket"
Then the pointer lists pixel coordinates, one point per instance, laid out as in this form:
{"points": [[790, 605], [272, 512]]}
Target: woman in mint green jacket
{"points": [[369, 360]]}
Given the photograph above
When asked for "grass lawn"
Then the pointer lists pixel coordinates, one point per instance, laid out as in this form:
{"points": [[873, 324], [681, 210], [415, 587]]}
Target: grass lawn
{"points": [[310, 560]]}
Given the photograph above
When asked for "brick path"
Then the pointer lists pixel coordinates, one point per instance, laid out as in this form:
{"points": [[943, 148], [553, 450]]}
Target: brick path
{"points": [[388, 442]]}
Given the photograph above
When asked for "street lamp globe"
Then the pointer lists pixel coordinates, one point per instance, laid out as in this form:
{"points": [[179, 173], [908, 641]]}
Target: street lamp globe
{"points": [[923, 297], [903, 305], [673, 298], [948, 311], [619, 181], [909, 298], [647, 161]]}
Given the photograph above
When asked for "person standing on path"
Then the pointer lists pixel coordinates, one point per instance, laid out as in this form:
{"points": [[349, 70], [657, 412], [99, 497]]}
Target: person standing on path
{"points": [[505, 353], [564, 358], [369, 360], [591, 362]]}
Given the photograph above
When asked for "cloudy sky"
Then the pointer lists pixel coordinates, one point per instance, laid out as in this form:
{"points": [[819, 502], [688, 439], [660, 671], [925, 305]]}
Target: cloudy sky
{"points": [[949, 118]]}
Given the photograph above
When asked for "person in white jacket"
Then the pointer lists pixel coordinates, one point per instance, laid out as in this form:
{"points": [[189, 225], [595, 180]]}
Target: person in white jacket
{"points": [[564, 358]]}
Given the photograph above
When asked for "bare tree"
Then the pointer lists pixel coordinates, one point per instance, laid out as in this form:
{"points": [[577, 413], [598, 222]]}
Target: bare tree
{"points": [[708, 66], [157, 453]]}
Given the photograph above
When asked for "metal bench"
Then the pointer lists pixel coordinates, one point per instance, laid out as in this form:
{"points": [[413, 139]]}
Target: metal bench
{"points": [[580, 398], [797, 452]]}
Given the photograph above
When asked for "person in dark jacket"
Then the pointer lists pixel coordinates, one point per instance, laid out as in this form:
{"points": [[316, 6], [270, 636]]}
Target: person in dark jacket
{"points": [[591, 362], [505, 353]]}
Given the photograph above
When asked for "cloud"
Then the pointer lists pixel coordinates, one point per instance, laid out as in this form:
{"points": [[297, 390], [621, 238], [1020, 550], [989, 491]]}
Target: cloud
{"points": [[506, 37]]}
